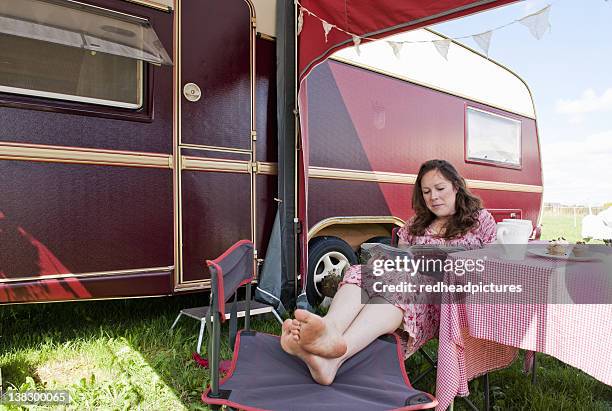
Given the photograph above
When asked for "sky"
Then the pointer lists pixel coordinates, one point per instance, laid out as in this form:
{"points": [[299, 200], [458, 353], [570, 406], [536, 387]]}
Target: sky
{"points": [[569, 72]]}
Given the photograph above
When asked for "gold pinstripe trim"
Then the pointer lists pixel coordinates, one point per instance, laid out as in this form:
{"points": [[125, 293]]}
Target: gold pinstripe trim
{"points": [[267, 168], [354, 220], [210, 164], [357, 175], [152, 4], [49, 154], [86, 299], [192, 285], [400, 178], [216, 148], [498, 185], [264, 36], [85, 275]]}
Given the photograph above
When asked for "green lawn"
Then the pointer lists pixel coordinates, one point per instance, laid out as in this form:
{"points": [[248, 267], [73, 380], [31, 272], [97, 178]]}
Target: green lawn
{"points": [[107, 354], [120, 355], [563, 226]]}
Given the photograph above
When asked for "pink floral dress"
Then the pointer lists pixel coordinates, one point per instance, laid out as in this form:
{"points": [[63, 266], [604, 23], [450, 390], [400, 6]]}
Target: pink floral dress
{"points": [[421, 321]]}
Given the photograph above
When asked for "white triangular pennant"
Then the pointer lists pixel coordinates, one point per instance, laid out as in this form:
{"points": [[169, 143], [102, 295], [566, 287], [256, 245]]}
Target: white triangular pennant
{"points": [[442, 46], [537, 23], [300, 22], [357, 42], [396, 46], [327, 28], [483, 40]]}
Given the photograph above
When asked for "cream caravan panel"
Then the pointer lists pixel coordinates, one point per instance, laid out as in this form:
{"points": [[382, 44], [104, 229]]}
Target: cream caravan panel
{"points": [[265, 13], [466, 73]]}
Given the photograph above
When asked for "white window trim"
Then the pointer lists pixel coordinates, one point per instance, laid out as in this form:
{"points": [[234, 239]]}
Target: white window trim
{"points": [[486, 160], [79, 99]]}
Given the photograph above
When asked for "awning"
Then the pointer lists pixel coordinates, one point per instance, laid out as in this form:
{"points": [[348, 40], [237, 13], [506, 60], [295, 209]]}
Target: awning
{"points": [[372, 19], [75, 24]]}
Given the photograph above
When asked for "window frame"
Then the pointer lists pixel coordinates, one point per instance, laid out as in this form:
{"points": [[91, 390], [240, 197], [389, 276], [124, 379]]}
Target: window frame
{"points": [[492, 163], [40, 103], [143, 114], [85, 100]]}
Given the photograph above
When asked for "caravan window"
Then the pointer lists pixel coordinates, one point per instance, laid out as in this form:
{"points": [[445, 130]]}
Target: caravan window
{"points": [[69, 50], [492, 138], [44, 69]]}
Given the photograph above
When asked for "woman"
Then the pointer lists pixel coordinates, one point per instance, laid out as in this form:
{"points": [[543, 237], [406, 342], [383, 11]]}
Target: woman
{"points": [[446, 213]]}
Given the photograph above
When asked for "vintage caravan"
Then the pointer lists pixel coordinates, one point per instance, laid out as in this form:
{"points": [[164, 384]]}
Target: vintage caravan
{"points": [[138, 139], [372, 118]]}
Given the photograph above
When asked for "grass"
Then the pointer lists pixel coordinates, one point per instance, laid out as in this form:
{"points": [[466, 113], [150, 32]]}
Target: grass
{"points": [[555, 226], [561, 226], [110, 355], [120, 355]]}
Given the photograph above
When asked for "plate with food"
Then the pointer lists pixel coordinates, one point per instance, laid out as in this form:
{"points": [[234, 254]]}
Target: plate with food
{"points": [[561, 249]]}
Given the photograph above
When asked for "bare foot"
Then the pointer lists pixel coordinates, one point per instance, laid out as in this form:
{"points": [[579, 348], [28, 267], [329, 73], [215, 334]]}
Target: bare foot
{"points": [[322, 370], [317, 337], [288, 341]]}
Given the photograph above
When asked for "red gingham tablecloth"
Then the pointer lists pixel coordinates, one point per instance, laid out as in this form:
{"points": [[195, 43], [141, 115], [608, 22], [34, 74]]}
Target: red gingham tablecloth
{"points": [[484, 332]]}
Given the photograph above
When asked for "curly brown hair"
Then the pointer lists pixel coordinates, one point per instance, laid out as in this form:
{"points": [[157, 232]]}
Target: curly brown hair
{"points": [[467, 205]]}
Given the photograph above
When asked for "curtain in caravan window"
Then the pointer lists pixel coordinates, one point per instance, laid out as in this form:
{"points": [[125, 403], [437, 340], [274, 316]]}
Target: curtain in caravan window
{"points": [[74, 24]]}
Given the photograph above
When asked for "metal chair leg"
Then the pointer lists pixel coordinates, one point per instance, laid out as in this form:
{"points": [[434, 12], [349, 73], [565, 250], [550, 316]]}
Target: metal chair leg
{"points": [[487, 403], [433, 365], [469, 403], [176, 321], [280, 320], [533, 369], [201, 336]]}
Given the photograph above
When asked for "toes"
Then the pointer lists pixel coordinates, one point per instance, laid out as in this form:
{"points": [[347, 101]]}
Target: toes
{"points": [[302, 315], [295, 325], [287, 326]]}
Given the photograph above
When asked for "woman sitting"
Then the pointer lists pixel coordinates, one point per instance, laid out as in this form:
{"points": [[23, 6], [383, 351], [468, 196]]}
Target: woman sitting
{"points": [[446, 214]]}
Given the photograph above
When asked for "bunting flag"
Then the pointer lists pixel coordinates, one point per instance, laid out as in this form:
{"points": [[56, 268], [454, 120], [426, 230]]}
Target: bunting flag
{"points": [[442, 46], [326, 28], [484, 41], [300, 22], [356, 42], [537, 23], [396, 46]]}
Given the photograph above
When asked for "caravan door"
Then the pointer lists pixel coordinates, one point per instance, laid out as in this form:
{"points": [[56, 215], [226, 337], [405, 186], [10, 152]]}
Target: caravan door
{"points": [[214, 141]]}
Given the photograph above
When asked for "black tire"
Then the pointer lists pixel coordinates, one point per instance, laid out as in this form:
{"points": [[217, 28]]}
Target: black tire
{"points": [[317, 249]]}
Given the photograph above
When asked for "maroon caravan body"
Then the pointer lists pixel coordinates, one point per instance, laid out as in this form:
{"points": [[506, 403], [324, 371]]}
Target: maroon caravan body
{"points": [[128, 160]]}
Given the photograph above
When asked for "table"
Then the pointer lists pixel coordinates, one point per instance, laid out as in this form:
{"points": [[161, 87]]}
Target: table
{"points": [[483, 332]]}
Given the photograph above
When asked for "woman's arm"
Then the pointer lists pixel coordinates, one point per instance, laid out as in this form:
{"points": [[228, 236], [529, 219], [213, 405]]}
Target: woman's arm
{"points": [[404, 238], [487, 229]]}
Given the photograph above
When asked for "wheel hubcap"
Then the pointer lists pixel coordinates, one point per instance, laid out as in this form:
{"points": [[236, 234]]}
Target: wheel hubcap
{"points": [[332, 263]]}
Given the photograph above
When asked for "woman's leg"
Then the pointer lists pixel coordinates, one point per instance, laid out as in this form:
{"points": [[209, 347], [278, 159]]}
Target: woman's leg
{"points": [[323, 335], [377, 318]]}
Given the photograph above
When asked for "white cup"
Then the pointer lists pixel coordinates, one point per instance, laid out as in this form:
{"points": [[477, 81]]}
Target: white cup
{"points": [[527, 224], [513, 237]]}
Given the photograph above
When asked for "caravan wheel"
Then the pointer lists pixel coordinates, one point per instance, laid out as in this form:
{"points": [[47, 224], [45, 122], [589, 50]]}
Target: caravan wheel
{"points": [[326, 256]]}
